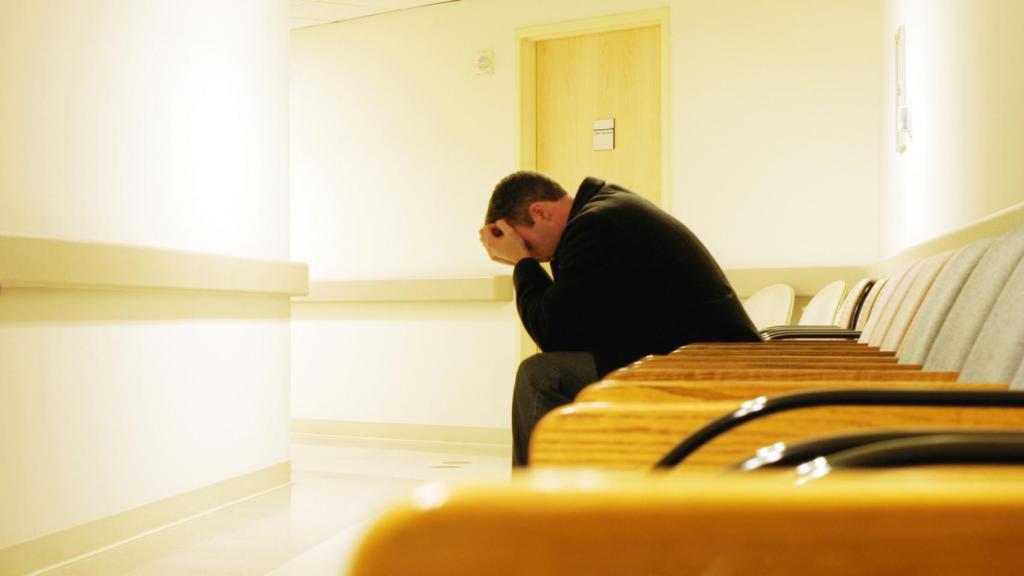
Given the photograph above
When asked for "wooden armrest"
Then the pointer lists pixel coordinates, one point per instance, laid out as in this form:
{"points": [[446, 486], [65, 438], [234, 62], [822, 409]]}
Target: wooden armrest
{"points": [[782, 362], [880, 523], [777, 343], [780, 351], [892, 372], [634, 436], [800, 362], [680, 360], [715, 390]]}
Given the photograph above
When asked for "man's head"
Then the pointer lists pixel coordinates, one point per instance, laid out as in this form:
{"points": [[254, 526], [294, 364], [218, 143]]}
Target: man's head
{"points": [[535, 206]]}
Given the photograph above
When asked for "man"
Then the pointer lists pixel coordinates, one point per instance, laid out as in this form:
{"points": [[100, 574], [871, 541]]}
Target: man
{"points": [[629, 280]]}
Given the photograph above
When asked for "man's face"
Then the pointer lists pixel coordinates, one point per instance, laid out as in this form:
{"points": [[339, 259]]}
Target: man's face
{"points": [[541, 239]]}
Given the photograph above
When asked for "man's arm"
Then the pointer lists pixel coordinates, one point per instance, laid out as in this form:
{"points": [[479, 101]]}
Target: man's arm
{"points": [[570, 314]]}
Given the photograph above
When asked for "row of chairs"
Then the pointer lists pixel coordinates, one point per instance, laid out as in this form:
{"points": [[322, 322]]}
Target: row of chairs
{"points": [[773, 305], [949, 321], [749, 457]]}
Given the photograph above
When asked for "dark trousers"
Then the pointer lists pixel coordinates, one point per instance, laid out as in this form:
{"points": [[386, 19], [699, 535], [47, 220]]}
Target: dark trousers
{"points": [[545, 382]]}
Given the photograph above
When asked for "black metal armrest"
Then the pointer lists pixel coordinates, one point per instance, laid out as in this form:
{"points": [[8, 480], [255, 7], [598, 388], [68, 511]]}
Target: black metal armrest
{"points": [[764, 406], [782, 455], [962, 447], [808, 332]]}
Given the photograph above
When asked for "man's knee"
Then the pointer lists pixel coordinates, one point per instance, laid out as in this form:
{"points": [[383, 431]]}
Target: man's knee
{"points": [[536, 372]]}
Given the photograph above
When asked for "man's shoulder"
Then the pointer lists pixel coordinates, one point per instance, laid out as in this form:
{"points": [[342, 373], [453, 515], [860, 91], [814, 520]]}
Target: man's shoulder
{"points": [[615, 204]]}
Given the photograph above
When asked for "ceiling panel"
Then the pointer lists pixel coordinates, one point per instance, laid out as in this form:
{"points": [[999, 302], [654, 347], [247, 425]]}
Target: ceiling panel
{"points": [[389, 4], [329, 12], [303, 13]]}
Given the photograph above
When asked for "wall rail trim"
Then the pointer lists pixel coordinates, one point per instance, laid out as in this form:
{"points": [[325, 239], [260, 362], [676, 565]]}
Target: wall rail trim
{"points": [[806, 281], [32, 262], [453, 289], [994, 224]]}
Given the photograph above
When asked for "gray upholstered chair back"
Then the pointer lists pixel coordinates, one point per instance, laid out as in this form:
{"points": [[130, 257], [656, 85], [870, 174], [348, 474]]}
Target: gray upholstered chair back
{"points": [[918, 290], [896, 296], [881, 304], [972, 307], [939, 300], [998, 349]]}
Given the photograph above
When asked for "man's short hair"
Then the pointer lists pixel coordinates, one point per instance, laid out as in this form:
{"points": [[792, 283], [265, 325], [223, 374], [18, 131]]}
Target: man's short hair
{"points": [[515, 193]]}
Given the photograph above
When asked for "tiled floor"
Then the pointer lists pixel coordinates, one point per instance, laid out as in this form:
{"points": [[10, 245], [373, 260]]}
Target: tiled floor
{"points": [[307, 528]]}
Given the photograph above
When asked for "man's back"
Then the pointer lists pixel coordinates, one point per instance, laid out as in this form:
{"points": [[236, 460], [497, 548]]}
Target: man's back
{"points": [[630, 280]]}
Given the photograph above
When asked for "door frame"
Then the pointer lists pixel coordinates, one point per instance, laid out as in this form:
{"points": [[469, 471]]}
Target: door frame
{"points": [[527, 39]]}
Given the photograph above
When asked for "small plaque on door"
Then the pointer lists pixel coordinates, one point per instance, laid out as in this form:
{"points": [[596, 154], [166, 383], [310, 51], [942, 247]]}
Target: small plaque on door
{"points": [[604, 134]]}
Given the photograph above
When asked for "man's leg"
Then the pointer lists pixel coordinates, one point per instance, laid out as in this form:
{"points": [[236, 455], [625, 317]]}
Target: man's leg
{"points": [[543, 383]]}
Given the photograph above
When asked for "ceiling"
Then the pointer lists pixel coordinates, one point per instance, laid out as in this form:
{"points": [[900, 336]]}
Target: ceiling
{"points": [[302, 13]]}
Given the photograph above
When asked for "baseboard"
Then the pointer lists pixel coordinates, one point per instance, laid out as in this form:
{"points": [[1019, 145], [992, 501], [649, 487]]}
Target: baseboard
{"points": [[60, 547], [500, 437]]}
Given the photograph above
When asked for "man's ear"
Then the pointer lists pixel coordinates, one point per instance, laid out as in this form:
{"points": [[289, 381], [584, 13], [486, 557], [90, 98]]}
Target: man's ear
{"points": [[540, 211]]}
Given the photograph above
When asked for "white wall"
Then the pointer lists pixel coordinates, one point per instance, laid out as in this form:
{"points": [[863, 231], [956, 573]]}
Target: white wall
{"points": [[148, 123], [415, 363], [775, 108], [109, 401], [965, 85], [158, 123], [397, 144]]}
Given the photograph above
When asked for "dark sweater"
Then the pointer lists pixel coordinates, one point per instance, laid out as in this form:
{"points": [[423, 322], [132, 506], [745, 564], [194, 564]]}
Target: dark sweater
{"points": [[629, 280]]}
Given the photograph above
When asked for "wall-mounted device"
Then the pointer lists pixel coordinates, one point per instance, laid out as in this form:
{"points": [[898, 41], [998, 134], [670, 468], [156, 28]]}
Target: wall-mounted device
{"points": [[604, 134], [484, 63], [902, 105]]}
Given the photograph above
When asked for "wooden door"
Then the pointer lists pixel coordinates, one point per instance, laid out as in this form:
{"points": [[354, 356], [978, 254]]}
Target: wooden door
{"points": [[580, 79]]}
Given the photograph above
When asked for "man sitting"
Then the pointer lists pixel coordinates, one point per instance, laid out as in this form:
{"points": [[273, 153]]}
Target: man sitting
{"points": [[629, 280]]}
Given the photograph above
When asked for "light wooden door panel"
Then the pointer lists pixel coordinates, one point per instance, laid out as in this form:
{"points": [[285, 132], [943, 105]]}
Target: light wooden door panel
{"points": [[584, 78]]}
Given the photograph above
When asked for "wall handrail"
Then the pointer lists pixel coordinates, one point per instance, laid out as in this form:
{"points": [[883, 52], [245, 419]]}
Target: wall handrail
{"points": [[35, 262]]}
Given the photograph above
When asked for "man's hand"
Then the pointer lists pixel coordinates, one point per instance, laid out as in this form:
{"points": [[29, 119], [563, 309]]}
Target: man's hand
{"points": [[502, 243]]}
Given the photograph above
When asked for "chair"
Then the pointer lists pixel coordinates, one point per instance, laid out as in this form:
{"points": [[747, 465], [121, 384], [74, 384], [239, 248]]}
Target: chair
{"points": [[971, 309], [869, 303], [848, 524], [846, 316], [821, 310], [770, 306], [827, 315], [935, 308]]}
